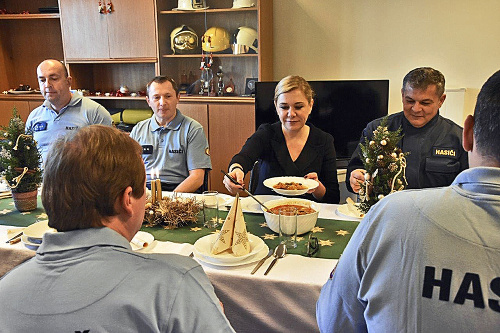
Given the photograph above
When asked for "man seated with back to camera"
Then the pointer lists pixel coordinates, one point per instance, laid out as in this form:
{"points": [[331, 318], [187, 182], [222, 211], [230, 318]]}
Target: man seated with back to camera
{"points": [[173, 144], [428, 260], [290, 147], [434, 143], [85, 277]]}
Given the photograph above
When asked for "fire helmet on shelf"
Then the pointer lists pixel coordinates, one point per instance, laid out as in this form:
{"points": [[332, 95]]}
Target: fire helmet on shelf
{"points": [[191, 5], [215, 39], [183, 40], [244, 40], [243, 3]]}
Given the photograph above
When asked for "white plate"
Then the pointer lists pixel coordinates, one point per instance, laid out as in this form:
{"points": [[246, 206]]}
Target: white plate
{"points": [[343, 210], [309, 183], [249, 205], [28, 244], [261, 254], [36, 230], [203, 248], [21, 92], [140, 238]]}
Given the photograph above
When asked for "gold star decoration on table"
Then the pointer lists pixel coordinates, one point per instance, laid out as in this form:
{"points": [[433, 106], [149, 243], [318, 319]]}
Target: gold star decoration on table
{"points": [[299, 239], [317, 229], [25, 213], [325, 242], [195, 229], [269, 236], [215, 231], [42, 216], [342, 232], [5, 211], [263, 225]]}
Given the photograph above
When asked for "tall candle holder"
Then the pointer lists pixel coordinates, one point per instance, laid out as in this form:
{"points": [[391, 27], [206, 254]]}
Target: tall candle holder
{"points": [[156, 193]]}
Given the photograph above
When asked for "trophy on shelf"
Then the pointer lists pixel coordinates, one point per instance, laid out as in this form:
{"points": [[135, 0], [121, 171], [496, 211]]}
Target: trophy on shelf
{"points": [[220, 82]]}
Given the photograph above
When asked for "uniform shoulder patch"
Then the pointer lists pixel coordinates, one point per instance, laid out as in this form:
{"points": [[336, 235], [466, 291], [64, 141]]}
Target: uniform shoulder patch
{"points": [[207, 151]]}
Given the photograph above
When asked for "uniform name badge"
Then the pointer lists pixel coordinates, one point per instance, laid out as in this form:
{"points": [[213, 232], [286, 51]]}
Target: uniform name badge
{"points": [[147, 149], [444, 152]]}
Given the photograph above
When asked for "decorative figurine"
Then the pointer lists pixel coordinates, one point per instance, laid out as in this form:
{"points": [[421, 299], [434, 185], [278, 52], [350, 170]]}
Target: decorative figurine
{"points": [[220, 82]]}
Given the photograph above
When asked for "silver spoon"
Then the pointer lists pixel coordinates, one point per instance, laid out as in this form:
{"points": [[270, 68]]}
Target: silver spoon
{"points": [[279, 252]]}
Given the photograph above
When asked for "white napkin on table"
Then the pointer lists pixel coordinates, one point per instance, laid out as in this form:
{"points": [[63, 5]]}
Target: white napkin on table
{"points": [[233, 234]]}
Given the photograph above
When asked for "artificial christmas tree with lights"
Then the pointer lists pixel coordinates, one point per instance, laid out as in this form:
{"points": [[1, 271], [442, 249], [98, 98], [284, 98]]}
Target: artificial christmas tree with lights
{"points": [[20, 163], [385, 166]]}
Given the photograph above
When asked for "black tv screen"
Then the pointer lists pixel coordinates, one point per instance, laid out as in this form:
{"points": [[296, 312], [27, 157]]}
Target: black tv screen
{"points": [[341, 108]]}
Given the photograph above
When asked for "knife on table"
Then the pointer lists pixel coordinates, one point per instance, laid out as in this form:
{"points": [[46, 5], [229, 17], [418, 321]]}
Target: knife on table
{"points": [[263, 260]]}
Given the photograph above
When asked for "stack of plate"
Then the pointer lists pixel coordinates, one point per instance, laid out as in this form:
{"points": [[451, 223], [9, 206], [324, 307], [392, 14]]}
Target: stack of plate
{"points": [[32, 235], [203, 252]]}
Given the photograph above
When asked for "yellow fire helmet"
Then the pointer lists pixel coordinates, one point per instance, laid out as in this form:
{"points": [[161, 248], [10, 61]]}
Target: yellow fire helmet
{"points": [[215, 39], [183, 40]]}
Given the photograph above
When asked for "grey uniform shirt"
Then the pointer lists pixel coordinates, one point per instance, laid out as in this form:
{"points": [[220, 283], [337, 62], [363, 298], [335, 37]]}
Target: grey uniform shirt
{"points": [[48, 124], [91, 280], [422, 261], [174, 149]]}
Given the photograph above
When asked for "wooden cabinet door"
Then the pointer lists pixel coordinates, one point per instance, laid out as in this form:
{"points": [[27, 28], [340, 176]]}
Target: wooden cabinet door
{"points": [[230, 126], [197, 111], [84, 30], [127, 32], [132, 29]]}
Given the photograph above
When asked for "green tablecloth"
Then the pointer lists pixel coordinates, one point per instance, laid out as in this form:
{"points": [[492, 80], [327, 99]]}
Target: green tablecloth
{"points": [[333, 235]]}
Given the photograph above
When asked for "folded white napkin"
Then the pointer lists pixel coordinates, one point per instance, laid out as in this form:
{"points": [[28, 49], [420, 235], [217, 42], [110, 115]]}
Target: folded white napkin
{"points": [[233, 234]]}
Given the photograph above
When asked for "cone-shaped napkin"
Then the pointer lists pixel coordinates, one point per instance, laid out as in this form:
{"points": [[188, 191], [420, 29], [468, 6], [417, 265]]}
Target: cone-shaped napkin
{"points": [[233, 234]]}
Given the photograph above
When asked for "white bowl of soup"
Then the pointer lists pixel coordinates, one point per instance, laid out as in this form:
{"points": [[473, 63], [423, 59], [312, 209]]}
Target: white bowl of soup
{"points": [[307, 213]]}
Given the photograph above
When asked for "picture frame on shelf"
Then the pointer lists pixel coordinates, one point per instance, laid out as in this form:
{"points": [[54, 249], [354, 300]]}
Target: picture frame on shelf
{"points": [[250, 86]]}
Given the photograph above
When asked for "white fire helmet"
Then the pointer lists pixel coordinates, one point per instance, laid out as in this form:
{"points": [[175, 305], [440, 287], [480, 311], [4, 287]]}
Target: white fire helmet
{"points": [[215, 39], [191, 5], [244, 40], [183, 40], [243, 3]]}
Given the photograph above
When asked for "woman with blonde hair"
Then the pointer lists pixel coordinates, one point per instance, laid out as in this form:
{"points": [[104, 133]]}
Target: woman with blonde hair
{"points": [[290, 147]]}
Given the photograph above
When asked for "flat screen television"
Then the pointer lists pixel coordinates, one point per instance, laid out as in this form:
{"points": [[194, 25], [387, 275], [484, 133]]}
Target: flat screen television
{"points": [[341, 108]]}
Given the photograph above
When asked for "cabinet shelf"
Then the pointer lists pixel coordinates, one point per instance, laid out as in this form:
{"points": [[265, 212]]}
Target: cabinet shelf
{"points": [[220, 55], [207, 11], [29, 16]]}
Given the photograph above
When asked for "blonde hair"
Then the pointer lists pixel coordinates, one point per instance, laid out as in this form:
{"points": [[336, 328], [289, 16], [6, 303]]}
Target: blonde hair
{"points": [[293, 82]]}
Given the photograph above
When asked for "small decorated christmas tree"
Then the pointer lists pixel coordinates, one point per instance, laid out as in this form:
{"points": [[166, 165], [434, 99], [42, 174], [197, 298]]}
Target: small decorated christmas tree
{"points": [[385, 166], [19, 157]]}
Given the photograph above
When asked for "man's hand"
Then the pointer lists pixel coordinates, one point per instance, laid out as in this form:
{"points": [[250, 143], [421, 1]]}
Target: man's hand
{"points": [[356, 179]]}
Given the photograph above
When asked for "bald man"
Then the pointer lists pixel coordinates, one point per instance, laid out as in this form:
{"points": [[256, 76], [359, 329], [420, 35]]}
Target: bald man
{"points": [[62, 111]]}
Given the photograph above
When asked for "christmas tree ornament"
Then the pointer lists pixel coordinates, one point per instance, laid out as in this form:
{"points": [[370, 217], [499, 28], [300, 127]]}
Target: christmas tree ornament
{"points": [[385, 166]]}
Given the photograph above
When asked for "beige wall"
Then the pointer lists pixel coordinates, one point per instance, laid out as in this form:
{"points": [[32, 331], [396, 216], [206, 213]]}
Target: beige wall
{"points": [[370, 39]]}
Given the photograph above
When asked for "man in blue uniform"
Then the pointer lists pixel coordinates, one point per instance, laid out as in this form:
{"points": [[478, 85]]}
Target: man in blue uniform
{"points": [[434, 143], [62, 111], [428, 260], [172, 144], [85, 277]]}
